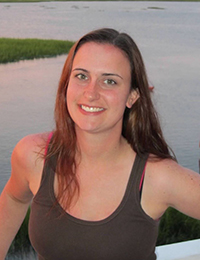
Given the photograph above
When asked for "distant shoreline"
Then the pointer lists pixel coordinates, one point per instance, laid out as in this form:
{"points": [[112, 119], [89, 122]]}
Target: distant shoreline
{"points": [[33, 1]]}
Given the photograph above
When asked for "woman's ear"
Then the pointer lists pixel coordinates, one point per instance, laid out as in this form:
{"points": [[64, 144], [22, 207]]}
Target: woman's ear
{"points": [[132, 98]]}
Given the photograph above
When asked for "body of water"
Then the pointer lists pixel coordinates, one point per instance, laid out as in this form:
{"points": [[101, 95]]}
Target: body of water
{"points": [[168, 35]]}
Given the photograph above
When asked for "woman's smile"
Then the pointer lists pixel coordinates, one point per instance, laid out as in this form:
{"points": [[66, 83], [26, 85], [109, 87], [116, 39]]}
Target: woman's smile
{"points": [[91, 109]]}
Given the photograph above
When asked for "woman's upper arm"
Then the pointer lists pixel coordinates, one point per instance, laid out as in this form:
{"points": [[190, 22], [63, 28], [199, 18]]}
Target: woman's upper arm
{"points": [[181, 188], [25, 166]]}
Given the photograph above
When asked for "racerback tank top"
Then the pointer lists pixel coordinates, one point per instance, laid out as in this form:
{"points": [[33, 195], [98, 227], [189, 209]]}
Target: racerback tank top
{"points": [[127, 234]]}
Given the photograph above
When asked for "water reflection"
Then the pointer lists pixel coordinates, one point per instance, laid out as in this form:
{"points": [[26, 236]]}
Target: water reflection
{"points": [[27, 94]]}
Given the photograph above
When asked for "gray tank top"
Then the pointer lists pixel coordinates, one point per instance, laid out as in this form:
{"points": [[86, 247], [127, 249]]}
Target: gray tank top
{"points": [[127, 234]]}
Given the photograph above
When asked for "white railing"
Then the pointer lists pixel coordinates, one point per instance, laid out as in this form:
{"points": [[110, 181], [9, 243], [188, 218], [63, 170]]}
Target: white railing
{"points": [[189, 250]]}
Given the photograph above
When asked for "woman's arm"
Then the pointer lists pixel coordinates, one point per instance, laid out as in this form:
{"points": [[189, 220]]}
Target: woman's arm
{"points": [[167, 184], [12, 213], [17, 194], [183, 189]]}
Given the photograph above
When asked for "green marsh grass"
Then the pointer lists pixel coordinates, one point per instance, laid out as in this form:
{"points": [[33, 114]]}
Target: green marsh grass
{"points": [[176, 227], [12, 50]]}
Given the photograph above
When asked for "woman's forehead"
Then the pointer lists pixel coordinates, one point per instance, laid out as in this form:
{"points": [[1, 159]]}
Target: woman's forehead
{"points": [[97, 53]]}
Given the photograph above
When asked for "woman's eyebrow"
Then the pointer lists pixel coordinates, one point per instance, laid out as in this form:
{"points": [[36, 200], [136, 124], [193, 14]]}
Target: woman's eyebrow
{"points": [[80, 69], [112, 74], [104, 74]]}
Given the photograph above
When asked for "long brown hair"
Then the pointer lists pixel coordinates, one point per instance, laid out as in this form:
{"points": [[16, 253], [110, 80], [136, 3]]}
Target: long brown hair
{"points": [[141, 125]]}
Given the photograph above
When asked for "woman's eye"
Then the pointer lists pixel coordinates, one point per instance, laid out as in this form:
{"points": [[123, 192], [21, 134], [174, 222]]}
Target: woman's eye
{"points": [[81, 76], [110, 82]]}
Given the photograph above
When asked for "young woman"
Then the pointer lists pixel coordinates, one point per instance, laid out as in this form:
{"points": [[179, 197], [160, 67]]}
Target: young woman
{"points": [[100, 182]]}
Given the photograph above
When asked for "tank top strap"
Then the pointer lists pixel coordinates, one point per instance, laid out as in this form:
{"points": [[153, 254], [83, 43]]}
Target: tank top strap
{"points": [[137, 173], [49, 162], [44, 192]]}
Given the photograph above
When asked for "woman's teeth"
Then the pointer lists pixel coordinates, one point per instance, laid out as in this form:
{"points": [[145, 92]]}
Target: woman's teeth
{"points": [[91, 109]]}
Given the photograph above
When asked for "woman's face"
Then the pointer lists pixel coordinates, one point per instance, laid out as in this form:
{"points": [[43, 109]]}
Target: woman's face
{"points": [[99, 88]]}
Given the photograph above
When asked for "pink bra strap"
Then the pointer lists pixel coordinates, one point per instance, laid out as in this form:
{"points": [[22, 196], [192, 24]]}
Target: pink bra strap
{"points": [[48, 140], [142, 178]]}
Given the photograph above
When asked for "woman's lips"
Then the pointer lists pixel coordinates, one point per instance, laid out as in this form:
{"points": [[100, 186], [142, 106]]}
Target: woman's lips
{"points": [[91, 109]]}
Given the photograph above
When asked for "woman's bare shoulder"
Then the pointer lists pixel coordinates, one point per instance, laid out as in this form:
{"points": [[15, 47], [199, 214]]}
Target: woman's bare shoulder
{"points": [[26, 167], [33, 141], [168, 172], [30, 148], [175, 185]]}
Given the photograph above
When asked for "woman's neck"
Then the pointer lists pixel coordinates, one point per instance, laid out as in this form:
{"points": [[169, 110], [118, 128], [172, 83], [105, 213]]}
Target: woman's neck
{"points": [[101, 146]]}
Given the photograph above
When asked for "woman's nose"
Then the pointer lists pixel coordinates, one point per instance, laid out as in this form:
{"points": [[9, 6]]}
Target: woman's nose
{"points": [[91, 91]]}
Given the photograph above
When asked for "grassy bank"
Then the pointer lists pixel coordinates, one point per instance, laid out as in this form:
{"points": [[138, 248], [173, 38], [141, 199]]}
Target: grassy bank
{"points": [[13, 50]]}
